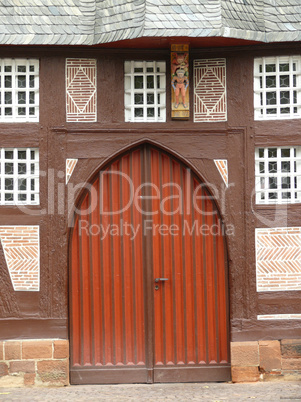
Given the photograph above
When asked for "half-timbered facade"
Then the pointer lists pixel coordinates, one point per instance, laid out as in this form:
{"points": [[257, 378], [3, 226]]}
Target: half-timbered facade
{"points": [[150, 191]]}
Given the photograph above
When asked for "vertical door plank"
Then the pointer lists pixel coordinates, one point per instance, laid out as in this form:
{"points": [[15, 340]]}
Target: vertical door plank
{"points": [[86, 288], [95, 275], [138, 271], [75, 298], [107, 273]]}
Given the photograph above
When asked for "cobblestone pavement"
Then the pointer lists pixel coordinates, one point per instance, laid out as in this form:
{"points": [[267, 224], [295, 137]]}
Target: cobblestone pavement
{"points": [[215, 392]]}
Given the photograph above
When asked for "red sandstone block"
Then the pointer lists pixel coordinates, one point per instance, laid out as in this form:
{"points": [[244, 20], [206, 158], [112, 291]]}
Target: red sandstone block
{"points": [[270, 356], [61, 349], [29, 379], [1, 351], [291, 364], [3, 369], [54, 371], [36, 349], [291, 348], [12, 350], [244, 354], [22, 367], [245, 374]]}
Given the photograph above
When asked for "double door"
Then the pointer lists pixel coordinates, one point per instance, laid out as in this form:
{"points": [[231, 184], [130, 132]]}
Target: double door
{"points": [[148, 276]]}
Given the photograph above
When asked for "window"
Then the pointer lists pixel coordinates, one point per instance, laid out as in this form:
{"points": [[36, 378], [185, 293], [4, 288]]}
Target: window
{"points": [[277, 87], [278, 175], [19, 176], [145, 91], [19, 90]]}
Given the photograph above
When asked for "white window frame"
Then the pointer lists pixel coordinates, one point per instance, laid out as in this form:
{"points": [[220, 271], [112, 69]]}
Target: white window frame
{"points": [[264, 162], [30, 107], [159, 92], [260, 90], [31, 176]]}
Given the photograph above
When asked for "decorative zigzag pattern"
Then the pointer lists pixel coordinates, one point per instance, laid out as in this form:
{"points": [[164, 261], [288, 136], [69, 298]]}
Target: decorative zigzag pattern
{"points": [[81, 89], [70, 165], [278, 259], [222, 167], [210, 90], [21, 250]]}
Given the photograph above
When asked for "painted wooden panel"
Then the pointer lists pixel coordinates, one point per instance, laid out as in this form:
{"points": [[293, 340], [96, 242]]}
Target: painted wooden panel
{"points": [[147, 216]]}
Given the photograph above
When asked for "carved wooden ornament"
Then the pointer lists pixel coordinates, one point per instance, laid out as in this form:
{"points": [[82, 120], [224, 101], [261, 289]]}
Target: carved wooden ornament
{"points": [[180, 82]]}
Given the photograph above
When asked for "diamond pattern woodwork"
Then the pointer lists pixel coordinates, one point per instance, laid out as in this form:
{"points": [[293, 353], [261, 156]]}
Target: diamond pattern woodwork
{"points": [[278, 259], [210, 90], [70, 165], [222, 167], [21, 250], [81, 89]]}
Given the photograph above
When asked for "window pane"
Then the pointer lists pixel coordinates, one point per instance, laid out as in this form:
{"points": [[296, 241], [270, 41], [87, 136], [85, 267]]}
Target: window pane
{"points": [[21, 168], [21, 154], [285, 167], [150, 99], [271, 81], [150, 112], [138, 82], [9, 154], [21, 98], [272, 182], [285, 152], [272, 167], [9, 184], [9, 168], [272, 152], [284, 97], [270, 68], [8, 98], [138, 99], [21, 81], [285, 182], [271, 98], [284, 67], [22, 184], [8, 81], [284, 80], [150, 81], [138, 112]]}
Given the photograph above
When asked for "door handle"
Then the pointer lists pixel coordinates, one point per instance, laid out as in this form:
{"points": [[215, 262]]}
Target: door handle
{"points": [[161, 279]]}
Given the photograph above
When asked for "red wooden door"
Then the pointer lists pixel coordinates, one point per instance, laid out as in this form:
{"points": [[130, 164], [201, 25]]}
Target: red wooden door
{"points": [[147, 218]]}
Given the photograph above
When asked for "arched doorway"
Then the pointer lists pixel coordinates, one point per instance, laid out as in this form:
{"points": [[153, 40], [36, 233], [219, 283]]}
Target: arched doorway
{"points": [[148, 276]]}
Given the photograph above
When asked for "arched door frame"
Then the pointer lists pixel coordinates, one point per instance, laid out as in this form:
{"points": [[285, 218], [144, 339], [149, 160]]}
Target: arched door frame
{"points": [[131, 148]]}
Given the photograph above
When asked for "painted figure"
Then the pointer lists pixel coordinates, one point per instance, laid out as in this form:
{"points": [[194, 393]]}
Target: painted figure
{"points": [[179, 60], [180, 83]]}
